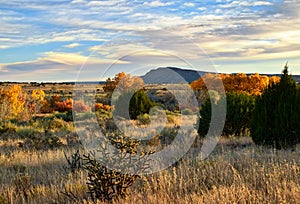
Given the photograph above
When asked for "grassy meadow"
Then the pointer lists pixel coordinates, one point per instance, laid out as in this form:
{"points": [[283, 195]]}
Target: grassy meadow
{"points": [[236, 172]]}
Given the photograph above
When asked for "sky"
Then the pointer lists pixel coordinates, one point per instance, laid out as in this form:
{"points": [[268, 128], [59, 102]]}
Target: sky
{"points": [[69, 40]]}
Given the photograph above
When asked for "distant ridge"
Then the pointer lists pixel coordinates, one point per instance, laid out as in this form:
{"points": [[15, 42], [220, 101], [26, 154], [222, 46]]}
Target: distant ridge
{"points": [[171, 75], [175, 75]]}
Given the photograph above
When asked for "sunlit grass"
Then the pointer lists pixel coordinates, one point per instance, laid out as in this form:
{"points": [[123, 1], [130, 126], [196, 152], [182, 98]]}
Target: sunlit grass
{"points": [[236, 172]]}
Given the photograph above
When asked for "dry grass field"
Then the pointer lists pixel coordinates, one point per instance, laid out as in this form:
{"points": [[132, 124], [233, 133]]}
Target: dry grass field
{"points": [[236, 172]]}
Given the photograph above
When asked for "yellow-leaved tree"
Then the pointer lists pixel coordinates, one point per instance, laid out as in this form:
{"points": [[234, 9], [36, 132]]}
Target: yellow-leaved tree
{"points": [[36, 101], [253, 84], [14, 103], [16, 99]]}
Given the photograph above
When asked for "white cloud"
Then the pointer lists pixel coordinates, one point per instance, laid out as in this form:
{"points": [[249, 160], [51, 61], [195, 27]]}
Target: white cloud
{"points": [[158, 3], [246, 4], [103, 3], [189, 4], [202, 8], [218, 11], [4, 46], [78, 1], [72, 45], [262, 3]]}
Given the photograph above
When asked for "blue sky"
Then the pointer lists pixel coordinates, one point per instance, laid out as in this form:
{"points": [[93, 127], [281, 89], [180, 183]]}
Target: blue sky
{"points": [[51, 40]]}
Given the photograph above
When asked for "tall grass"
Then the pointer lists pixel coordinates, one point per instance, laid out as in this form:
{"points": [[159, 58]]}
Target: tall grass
{"points": [[236, 172]]}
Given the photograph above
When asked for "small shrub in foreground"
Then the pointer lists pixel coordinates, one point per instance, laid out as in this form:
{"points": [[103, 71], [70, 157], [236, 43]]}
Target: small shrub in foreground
{"points": [[106, 184]]}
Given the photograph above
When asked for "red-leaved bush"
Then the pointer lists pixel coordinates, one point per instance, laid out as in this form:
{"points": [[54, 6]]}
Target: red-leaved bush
{"points": [[80, 107], [63, 106]]}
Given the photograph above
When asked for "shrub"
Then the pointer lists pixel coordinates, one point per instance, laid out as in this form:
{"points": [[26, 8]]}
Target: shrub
{"points": [[238, 116], [80, 107], [63, 106], [276, 119], [107, 184], [101, 106], [26, 132], [57, 124], [98, 106], [74, 161], [139, 104], [43, 142], [143, 119], [50, 103], [170, 119], [8, 127], [168, 134], [66, 116]]}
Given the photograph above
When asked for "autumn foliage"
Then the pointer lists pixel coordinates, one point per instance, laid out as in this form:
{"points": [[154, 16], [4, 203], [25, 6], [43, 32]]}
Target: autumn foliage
{"points": [[14, 103], [100, 106], [16, 100], [124, 82], [241, 83], [80, 107], [63, 106], [57, 103]]}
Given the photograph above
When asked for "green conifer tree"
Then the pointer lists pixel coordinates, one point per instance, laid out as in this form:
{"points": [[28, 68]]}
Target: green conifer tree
{"points": [[276, 117]]}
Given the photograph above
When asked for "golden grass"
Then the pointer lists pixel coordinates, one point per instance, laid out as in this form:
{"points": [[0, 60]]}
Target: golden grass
{"points": [[235, 172]]}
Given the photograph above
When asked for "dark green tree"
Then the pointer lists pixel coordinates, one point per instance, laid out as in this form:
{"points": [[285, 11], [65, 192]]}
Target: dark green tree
{"points": [[238, 114], [139, 104], [276, 118]]}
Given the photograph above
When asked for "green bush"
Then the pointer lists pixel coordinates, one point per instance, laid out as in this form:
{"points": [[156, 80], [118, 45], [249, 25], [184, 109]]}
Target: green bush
{"points": [[67, 116], [168, 135], [276, 119], [170, 119], [8, 127], [143, 119], [43, 142], [139, 104], [27, 132], [238, 115]]}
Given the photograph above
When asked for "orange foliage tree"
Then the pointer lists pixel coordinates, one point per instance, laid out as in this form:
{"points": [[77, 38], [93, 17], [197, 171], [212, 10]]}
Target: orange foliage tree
{"points": [[63, 106], [123, 81], [56, 103], [241, 83]]}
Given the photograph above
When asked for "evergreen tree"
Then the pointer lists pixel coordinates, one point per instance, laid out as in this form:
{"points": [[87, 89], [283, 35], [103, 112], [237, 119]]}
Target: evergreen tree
{"points": [[238, 115], [139, 104], [276, 118]]}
